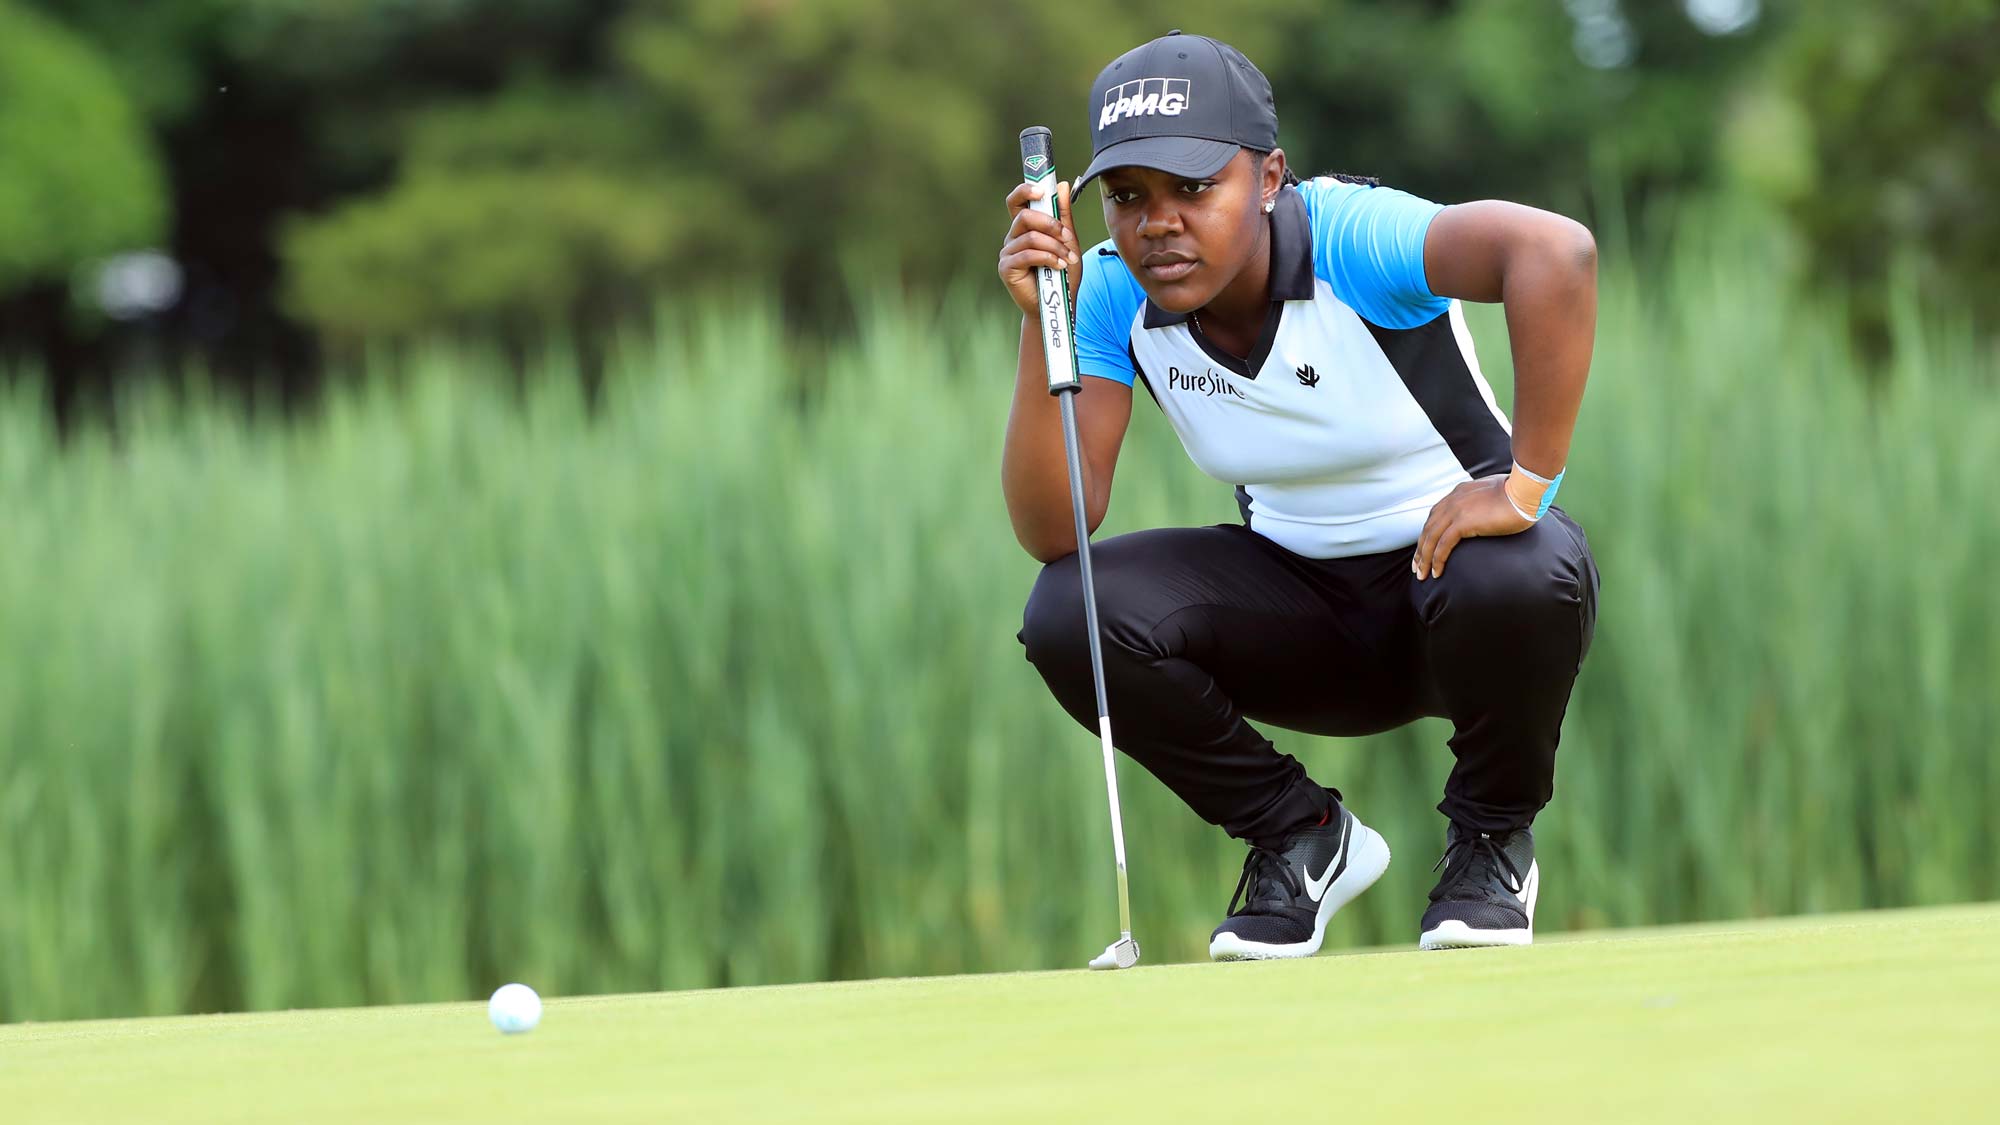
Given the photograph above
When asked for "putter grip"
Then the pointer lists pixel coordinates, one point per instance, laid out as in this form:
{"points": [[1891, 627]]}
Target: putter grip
{"points": [[1038, 166]]}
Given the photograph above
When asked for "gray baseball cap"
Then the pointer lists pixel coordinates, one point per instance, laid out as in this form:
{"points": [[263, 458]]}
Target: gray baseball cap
{"points": [[1182, 104]]}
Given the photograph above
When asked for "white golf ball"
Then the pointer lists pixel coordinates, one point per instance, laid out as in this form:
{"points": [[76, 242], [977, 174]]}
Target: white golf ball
{"points": [[514, 1008]]}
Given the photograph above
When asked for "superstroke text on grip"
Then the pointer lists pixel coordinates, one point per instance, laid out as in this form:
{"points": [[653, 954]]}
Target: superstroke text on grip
{"points": [[1038, 167]]}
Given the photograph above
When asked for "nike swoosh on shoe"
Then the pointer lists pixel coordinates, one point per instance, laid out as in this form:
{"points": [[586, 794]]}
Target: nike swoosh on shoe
{"points": [[1317, 887]]}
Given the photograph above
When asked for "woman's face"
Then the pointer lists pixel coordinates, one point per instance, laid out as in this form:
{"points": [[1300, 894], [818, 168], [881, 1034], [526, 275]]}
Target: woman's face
{"points": [[1185, 240]]}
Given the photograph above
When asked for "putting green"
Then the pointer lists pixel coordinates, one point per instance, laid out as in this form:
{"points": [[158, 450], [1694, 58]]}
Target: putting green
{"points": [[1887, 1016]]}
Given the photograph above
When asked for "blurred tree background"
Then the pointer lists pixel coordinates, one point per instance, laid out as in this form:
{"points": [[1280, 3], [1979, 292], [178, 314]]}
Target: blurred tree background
{"points": [[260, 185]]}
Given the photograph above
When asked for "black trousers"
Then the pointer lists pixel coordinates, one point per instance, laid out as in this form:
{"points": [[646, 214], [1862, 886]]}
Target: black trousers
{"points": [[1206, 628]]}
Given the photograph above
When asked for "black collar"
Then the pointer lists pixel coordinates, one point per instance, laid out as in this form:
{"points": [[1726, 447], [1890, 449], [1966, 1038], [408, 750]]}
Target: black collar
{"points": [[1291, 258]]}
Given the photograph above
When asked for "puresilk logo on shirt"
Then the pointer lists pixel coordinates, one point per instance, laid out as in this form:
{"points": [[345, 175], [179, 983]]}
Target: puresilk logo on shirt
{"points": [[1208, 383], [1144, 98]]}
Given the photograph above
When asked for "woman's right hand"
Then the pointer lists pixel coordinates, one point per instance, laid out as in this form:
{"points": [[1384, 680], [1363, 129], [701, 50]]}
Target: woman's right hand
{"points": [[1035, 240]]}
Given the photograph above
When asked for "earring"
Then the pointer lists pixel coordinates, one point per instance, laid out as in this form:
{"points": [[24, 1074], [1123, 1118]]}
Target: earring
{"points": [[1270, 205]]}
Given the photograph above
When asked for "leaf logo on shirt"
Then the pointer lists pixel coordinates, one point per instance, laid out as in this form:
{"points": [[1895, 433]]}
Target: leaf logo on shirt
{"points": [[1307, 376]]}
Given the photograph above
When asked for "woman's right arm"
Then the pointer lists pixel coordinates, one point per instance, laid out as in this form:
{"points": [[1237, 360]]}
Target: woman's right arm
{"points": [[1034, 471]]}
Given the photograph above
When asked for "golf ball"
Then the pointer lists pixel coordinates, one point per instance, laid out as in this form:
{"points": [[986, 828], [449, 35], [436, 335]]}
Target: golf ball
{"points": [[514, 1008]]}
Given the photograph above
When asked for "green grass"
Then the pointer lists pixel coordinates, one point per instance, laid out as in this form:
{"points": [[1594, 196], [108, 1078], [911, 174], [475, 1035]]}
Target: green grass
{"points": [[1863, 1018], [716, 682]]}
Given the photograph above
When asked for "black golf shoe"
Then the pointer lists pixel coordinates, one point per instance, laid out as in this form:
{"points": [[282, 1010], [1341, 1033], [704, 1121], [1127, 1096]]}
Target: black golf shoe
{"points": [[1486, 895], [1287, 895]]}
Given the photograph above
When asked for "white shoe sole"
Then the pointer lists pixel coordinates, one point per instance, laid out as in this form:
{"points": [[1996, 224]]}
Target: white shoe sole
{"points": [[1367, 859], [1454, 934]]}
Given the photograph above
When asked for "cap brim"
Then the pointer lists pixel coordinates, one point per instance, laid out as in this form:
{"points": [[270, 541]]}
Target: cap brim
{"points": [[1193, 157]]}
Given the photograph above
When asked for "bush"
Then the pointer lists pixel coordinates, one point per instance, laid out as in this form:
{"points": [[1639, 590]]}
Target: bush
{"points": [[444, 687]]}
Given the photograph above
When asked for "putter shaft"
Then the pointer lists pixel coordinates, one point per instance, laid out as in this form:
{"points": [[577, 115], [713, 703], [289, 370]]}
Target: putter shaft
{"points": [[1075, 459]]}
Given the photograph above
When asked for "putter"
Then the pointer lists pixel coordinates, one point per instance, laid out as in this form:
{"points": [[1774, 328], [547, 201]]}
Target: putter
{"points": [[1052, 286]]}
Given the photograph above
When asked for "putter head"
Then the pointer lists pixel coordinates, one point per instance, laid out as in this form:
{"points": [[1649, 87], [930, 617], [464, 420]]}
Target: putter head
{"points": [[1120, 954]]}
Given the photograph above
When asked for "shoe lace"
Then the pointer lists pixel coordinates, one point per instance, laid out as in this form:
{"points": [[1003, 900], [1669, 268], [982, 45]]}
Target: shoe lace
{"points": [[1270, 880], [1464, 872]]}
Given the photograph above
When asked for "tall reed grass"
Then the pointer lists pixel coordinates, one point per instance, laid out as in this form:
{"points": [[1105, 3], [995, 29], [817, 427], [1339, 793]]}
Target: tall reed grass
{"points": [[714, 681]]}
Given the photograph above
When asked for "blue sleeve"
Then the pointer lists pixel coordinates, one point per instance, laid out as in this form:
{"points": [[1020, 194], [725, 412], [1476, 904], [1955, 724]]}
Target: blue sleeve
{"points": [[1107, 299], [1368, 243]]}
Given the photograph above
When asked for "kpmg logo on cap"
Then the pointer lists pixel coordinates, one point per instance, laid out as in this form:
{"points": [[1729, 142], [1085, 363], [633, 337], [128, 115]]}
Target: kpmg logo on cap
{"points": [[1143, 98]]}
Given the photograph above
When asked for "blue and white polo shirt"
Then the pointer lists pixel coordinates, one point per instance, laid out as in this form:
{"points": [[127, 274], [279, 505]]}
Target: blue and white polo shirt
{"points": [[1362, 404]]}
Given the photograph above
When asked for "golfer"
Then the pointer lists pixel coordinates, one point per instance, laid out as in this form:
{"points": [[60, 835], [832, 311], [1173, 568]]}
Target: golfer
{"points": [[1400, 553]]}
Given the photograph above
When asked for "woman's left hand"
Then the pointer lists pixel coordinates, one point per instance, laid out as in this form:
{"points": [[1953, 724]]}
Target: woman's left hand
{"points": [[1475, 508]]}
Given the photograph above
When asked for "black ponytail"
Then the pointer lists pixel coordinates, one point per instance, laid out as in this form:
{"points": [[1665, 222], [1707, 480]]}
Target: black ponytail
{"points": [[1292, 178]]}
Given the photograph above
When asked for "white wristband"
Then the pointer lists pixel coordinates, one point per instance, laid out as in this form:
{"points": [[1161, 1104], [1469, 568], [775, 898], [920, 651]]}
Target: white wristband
{"points": [[1541, 495]]}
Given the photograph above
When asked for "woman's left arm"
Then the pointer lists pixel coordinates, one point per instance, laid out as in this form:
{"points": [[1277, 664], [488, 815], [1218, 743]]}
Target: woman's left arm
{"points": [[1543, 267]]}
